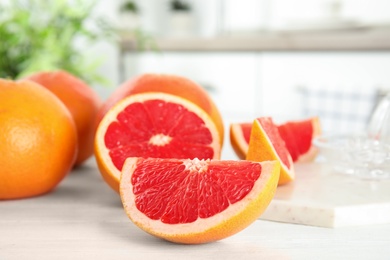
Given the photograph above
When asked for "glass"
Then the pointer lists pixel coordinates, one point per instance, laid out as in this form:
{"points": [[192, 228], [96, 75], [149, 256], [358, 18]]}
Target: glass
{"points": [[379, 125], [366, 155]]}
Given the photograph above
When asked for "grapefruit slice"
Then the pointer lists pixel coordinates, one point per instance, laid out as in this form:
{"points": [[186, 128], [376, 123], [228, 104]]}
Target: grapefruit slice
{"points": [[297, 135], [196, 201], [266, 144], [239, 138], [153, 125]]}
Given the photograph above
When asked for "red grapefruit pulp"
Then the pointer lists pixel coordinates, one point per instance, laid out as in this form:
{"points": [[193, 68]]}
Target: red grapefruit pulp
{"points": [[153, 125], [297, 135], [196, 201], [169, 84]]}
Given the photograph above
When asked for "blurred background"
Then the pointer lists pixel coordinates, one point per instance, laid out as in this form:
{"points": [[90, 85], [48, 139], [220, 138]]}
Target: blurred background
{"points": [[279, 58]]}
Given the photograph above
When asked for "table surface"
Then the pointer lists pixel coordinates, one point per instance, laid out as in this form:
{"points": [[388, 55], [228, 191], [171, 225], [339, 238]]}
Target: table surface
{"points": [[84, 219]]}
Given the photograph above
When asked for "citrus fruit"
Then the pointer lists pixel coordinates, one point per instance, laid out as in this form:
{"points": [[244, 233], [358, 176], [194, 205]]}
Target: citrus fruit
{"points": [[82, 102], [196, 201], [153, 125], [266, 144], [239, 138], [170, 84], [38, 140], [297, 135]]}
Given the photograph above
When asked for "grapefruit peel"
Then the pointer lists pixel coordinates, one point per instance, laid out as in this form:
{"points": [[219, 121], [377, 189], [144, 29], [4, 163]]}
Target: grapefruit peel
{"points": [[262, 149]]}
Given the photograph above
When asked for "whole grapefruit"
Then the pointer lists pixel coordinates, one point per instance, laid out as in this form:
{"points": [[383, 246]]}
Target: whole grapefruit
{"points": [[38, 140], [82, 102]]}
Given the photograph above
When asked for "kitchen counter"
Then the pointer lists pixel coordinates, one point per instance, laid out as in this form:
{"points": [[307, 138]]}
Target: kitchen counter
{"points": [[83, 219], [364, 38]]}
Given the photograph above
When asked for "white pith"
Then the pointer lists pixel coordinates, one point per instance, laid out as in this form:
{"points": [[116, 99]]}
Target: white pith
{"points": [[198, 226], [121, 105]]}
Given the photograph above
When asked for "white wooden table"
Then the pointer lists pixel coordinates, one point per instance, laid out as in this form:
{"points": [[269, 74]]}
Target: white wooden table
{"points": [[83, 219]]}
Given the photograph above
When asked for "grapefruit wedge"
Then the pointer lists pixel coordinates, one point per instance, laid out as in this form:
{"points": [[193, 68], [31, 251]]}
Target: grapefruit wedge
{"points": [[297, 135], [196, 201], [266, 144], [155, 125]]}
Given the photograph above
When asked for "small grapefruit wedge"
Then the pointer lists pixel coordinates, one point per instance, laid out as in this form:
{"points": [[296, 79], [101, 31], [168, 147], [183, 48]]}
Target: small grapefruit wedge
{"points": [[196, 201], [155, 125], [240, 134], [266, 144], [297, 135]]}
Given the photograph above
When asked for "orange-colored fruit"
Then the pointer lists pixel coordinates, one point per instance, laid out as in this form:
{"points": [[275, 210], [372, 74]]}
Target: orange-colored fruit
{"points": [[196, 201], [239, 138], [297, 135], [265, 144], [38, 140], [170, 84], [153, 125], [82, 102]]}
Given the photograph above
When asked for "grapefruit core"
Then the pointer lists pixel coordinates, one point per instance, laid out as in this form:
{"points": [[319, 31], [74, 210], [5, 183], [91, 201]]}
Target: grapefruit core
{"points": [[297, 135], [155, 125], [196, 201], [265, 144]]}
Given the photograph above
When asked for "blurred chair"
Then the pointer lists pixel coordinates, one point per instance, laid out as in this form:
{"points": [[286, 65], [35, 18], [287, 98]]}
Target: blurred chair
{"points": [[340, 111]]}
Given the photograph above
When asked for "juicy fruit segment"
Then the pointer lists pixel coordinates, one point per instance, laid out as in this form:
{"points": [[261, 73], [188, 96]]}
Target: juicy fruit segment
{"points": [[196, 201], [38, 140], [266, 144], [82, 102], [297, 135], [239, 138], [153, 125], [169, 84]]}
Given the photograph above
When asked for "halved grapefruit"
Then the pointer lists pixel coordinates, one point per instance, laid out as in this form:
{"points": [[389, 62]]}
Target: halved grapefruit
{"points": [[170, 84], [297, 135], [153, 125], [196, 201], [266, 144]]}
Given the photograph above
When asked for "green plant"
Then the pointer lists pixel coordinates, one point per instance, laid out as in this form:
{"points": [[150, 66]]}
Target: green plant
{"points": [[38, 35], [129, 6], [180, 6]]}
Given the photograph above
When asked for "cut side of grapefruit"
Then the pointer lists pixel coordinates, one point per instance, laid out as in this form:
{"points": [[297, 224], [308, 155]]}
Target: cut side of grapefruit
{"points": [[196, 201], [155, 125], [170, 84], [297, 135], [266, 144]]}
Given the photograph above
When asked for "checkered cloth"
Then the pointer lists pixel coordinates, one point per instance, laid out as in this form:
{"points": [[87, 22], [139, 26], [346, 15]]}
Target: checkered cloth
{"points": [[340, 111]]}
